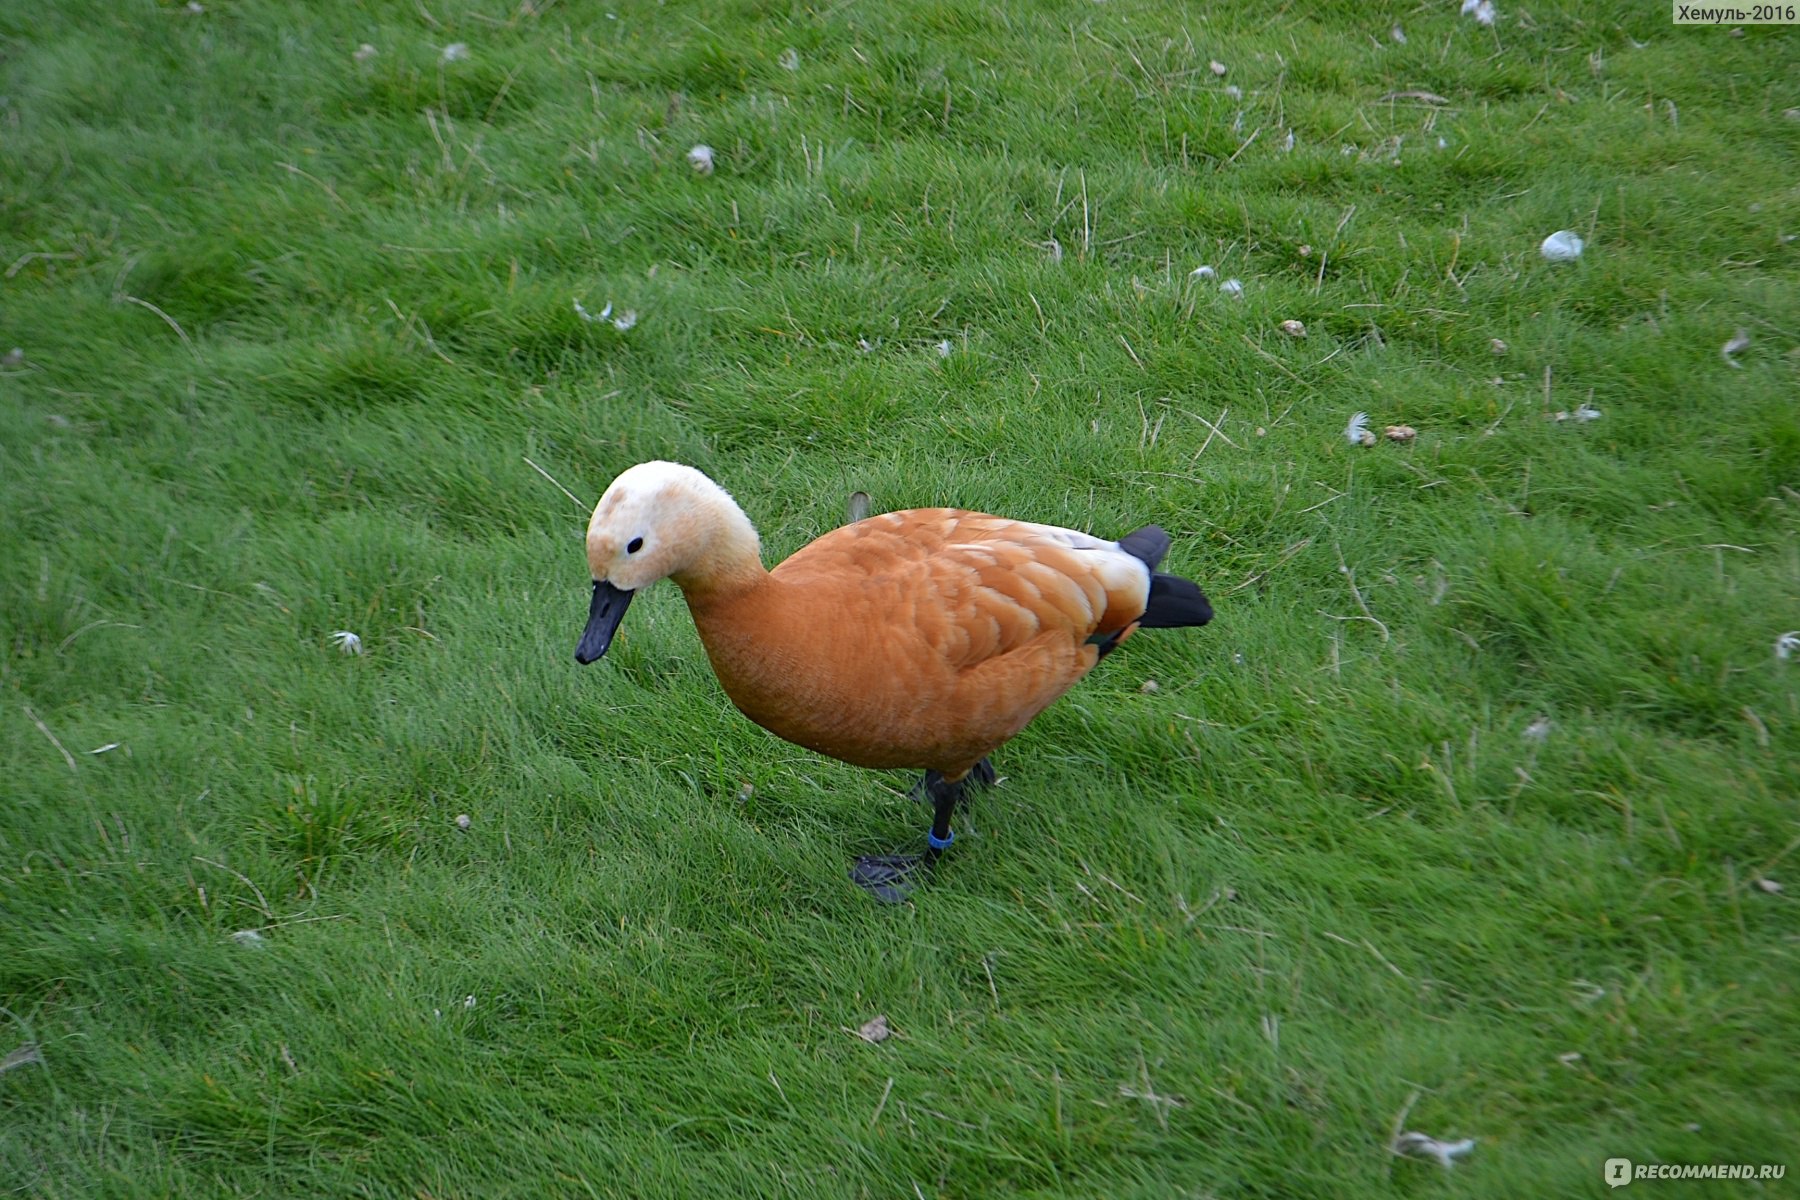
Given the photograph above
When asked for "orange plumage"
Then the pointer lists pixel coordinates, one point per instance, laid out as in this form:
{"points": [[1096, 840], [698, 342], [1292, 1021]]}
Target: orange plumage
{"points": [[915, 639]]}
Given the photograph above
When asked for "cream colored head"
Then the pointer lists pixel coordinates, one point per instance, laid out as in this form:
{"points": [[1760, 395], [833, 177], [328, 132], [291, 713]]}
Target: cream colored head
{"points": [[660, 520]]}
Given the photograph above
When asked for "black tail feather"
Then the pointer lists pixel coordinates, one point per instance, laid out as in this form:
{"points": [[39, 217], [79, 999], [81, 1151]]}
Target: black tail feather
{"points": [[1147, 545], [1175, 603]]}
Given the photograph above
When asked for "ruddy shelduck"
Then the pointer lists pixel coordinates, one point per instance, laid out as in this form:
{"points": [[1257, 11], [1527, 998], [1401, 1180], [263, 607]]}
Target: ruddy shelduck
{"points": [[918, 639]]}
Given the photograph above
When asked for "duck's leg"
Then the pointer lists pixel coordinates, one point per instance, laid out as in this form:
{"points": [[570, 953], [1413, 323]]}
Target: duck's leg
{"points": [[891, 878], [982, 774]]}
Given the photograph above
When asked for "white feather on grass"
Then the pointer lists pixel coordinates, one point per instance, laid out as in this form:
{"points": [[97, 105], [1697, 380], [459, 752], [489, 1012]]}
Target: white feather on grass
{"points": [[24, 1056], [1423, 1145], [1740, 342], [622, 322], [1481, 10]]}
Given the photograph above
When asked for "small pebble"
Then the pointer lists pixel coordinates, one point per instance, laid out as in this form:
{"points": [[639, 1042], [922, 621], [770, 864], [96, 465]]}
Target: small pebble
{"points": [[1294, 329], [1149, 687], [1565, 245], [463, 820], [1496, 346], [1401, 433]]}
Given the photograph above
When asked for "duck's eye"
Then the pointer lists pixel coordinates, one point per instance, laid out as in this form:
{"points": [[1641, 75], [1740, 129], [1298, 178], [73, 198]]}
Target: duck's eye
{"points": [[633, 546]]}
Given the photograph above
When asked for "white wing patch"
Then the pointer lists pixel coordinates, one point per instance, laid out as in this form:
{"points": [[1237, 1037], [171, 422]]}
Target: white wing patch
{"points": [[1118, 569], [1074, 539]]}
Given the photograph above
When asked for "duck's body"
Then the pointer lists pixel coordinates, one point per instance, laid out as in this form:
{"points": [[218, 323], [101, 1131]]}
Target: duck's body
{"points": [[922, 638], [918, 639]]}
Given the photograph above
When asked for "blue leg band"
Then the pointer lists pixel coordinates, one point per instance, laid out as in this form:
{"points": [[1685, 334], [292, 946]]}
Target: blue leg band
{"points": [[938, 843]]}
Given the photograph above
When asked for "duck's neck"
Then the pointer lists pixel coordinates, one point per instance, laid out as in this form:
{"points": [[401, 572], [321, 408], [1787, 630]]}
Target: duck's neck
{"points": [[738, 611], [730, 558]]}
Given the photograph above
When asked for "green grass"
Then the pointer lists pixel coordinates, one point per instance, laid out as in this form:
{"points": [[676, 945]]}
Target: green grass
{"points": [[293, 322]]}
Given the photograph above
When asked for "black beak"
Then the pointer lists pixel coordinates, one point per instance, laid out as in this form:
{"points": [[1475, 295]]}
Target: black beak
{"points": [[604, 614]]}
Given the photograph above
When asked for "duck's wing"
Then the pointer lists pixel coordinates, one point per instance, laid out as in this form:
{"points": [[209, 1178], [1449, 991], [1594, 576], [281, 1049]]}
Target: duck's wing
{"points": [[974, 588]]}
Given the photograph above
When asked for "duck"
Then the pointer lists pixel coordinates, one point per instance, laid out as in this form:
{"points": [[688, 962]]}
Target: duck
{"points": [[922, 639]]}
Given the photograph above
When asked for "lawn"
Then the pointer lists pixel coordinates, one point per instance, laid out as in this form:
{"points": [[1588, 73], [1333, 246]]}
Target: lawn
{"points": [[1470, 814]]}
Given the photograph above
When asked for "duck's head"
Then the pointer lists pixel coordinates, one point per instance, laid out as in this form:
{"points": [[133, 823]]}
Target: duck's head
{"points": [[659, 520]]}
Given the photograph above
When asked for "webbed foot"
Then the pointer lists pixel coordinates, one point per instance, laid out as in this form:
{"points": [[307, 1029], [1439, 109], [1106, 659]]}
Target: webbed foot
{"points": [[890, 878]]}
